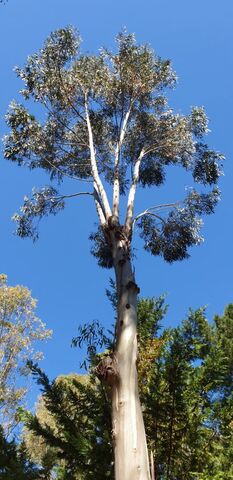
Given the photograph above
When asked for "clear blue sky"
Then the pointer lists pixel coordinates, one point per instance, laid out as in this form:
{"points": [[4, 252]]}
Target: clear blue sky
{"points": [[59, 269]]}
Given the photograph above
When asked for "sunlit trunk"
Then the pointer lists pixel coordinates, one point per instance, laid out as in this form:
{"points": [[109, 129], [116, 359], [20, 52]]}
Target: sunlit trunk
{"points": [[129, 439]]}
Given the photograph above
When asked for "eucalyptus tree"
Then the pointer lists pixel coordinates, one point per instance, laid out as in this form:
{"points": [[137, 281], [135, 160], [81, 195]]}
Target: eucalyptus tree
{"points": [[107, 124]]}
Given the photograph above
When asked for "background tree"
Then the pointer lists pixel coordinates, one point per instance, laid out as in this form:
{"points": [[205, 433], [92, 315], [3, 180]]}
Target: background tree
{"points": [[36, 447], [70, 436], [187, 398], [14, 463], [185, 378], [20, 329], [107, 121]]}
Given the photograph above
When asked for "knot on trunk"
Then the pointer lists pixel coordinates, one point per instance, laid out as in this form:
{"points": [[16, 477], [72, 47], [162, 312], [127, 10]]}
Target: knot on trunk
{"points": [[118, 230], [107, 370], [113, 222], [132, 285]]}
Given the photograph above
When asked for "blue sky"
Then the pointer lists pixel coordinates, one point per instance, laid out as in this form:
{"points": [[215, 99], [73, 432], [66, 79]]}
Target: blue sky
{"points": [[63, 276]]}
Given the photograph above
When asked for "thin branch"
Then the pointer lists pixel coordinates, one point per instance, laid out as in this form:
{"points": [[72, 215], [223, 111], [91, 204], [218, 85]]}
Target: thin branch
{"points": [[148, 213], [165, 205], [60, 197], [67, 174], [155, 207], [155, 147], [66, 144], [95, 173], [68, 97], [64, 124]]}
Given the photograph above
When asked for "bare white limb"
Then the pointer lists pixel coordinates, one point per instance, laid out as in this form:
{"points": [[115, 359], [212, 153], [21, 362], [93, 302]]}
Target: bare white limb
{"points": [[132, 193], [116, 185], [94, 168]]}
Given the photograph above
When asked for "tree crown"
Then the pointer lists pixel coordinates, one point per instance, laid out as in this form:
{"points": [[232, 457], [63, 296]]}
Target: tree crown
{"points": [[107, 121]]}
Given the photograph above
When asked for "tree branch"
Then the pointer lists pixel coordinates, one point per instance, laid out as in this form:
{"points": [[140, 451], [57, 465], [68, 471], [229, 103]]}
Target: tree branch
{"points": [[146, 212], [132, 193], [165, 205], [155, 207], [78, 194], [68, 97], [116, 185], [94, 168], [99, 207], [67, 174]]}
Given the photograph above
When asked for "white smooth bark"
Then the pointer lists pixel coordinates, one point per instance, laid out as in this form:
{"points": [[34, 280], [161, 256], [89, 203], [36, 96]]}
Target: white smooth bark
{"points": [[94, 168], [132, 193], [129, 439], [116, 185], [99, 208]]}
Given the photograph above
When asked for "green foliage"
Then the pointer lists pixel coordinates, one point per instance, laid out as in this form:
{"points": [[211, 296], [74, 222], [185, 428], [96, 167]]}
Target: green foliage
{"points": [[131, 81], [100, 249], [93, 336], [14, 463], [20, 330], [43, 203], [80, 432], [185, 379], [175, 235], [189, 430]]}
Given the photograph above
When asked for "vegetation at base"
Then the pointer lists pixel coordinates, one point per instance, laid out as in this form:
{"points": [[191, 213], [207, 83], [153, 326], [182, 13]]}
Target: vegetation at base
{"points": [[14, 463], [186, 380]]}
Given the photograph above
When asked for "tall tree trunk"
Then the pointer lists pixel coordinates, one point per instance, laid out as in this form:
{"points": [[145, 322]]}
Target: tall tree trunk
{"points": [[130, 448]]}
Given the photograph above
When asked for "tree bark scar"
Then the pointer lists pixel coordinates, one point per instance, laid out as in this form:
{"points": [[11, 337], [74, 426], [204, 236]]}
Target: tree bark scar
{"points": [[121, 261], [107, 371], [113, 222], [127, 305], [133, 285]]}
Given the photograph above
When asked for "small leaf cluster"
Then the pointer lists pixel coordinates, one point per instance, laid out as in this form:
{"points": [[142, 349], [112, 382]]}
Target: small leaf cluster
{"points": [[171, 236], [43, 203]]}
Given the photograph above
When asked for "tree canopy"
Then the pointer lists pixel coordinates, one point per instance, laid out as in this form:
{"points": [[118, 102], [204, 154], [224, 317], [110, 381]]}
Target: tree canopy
{"points": [[106, 120]]}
